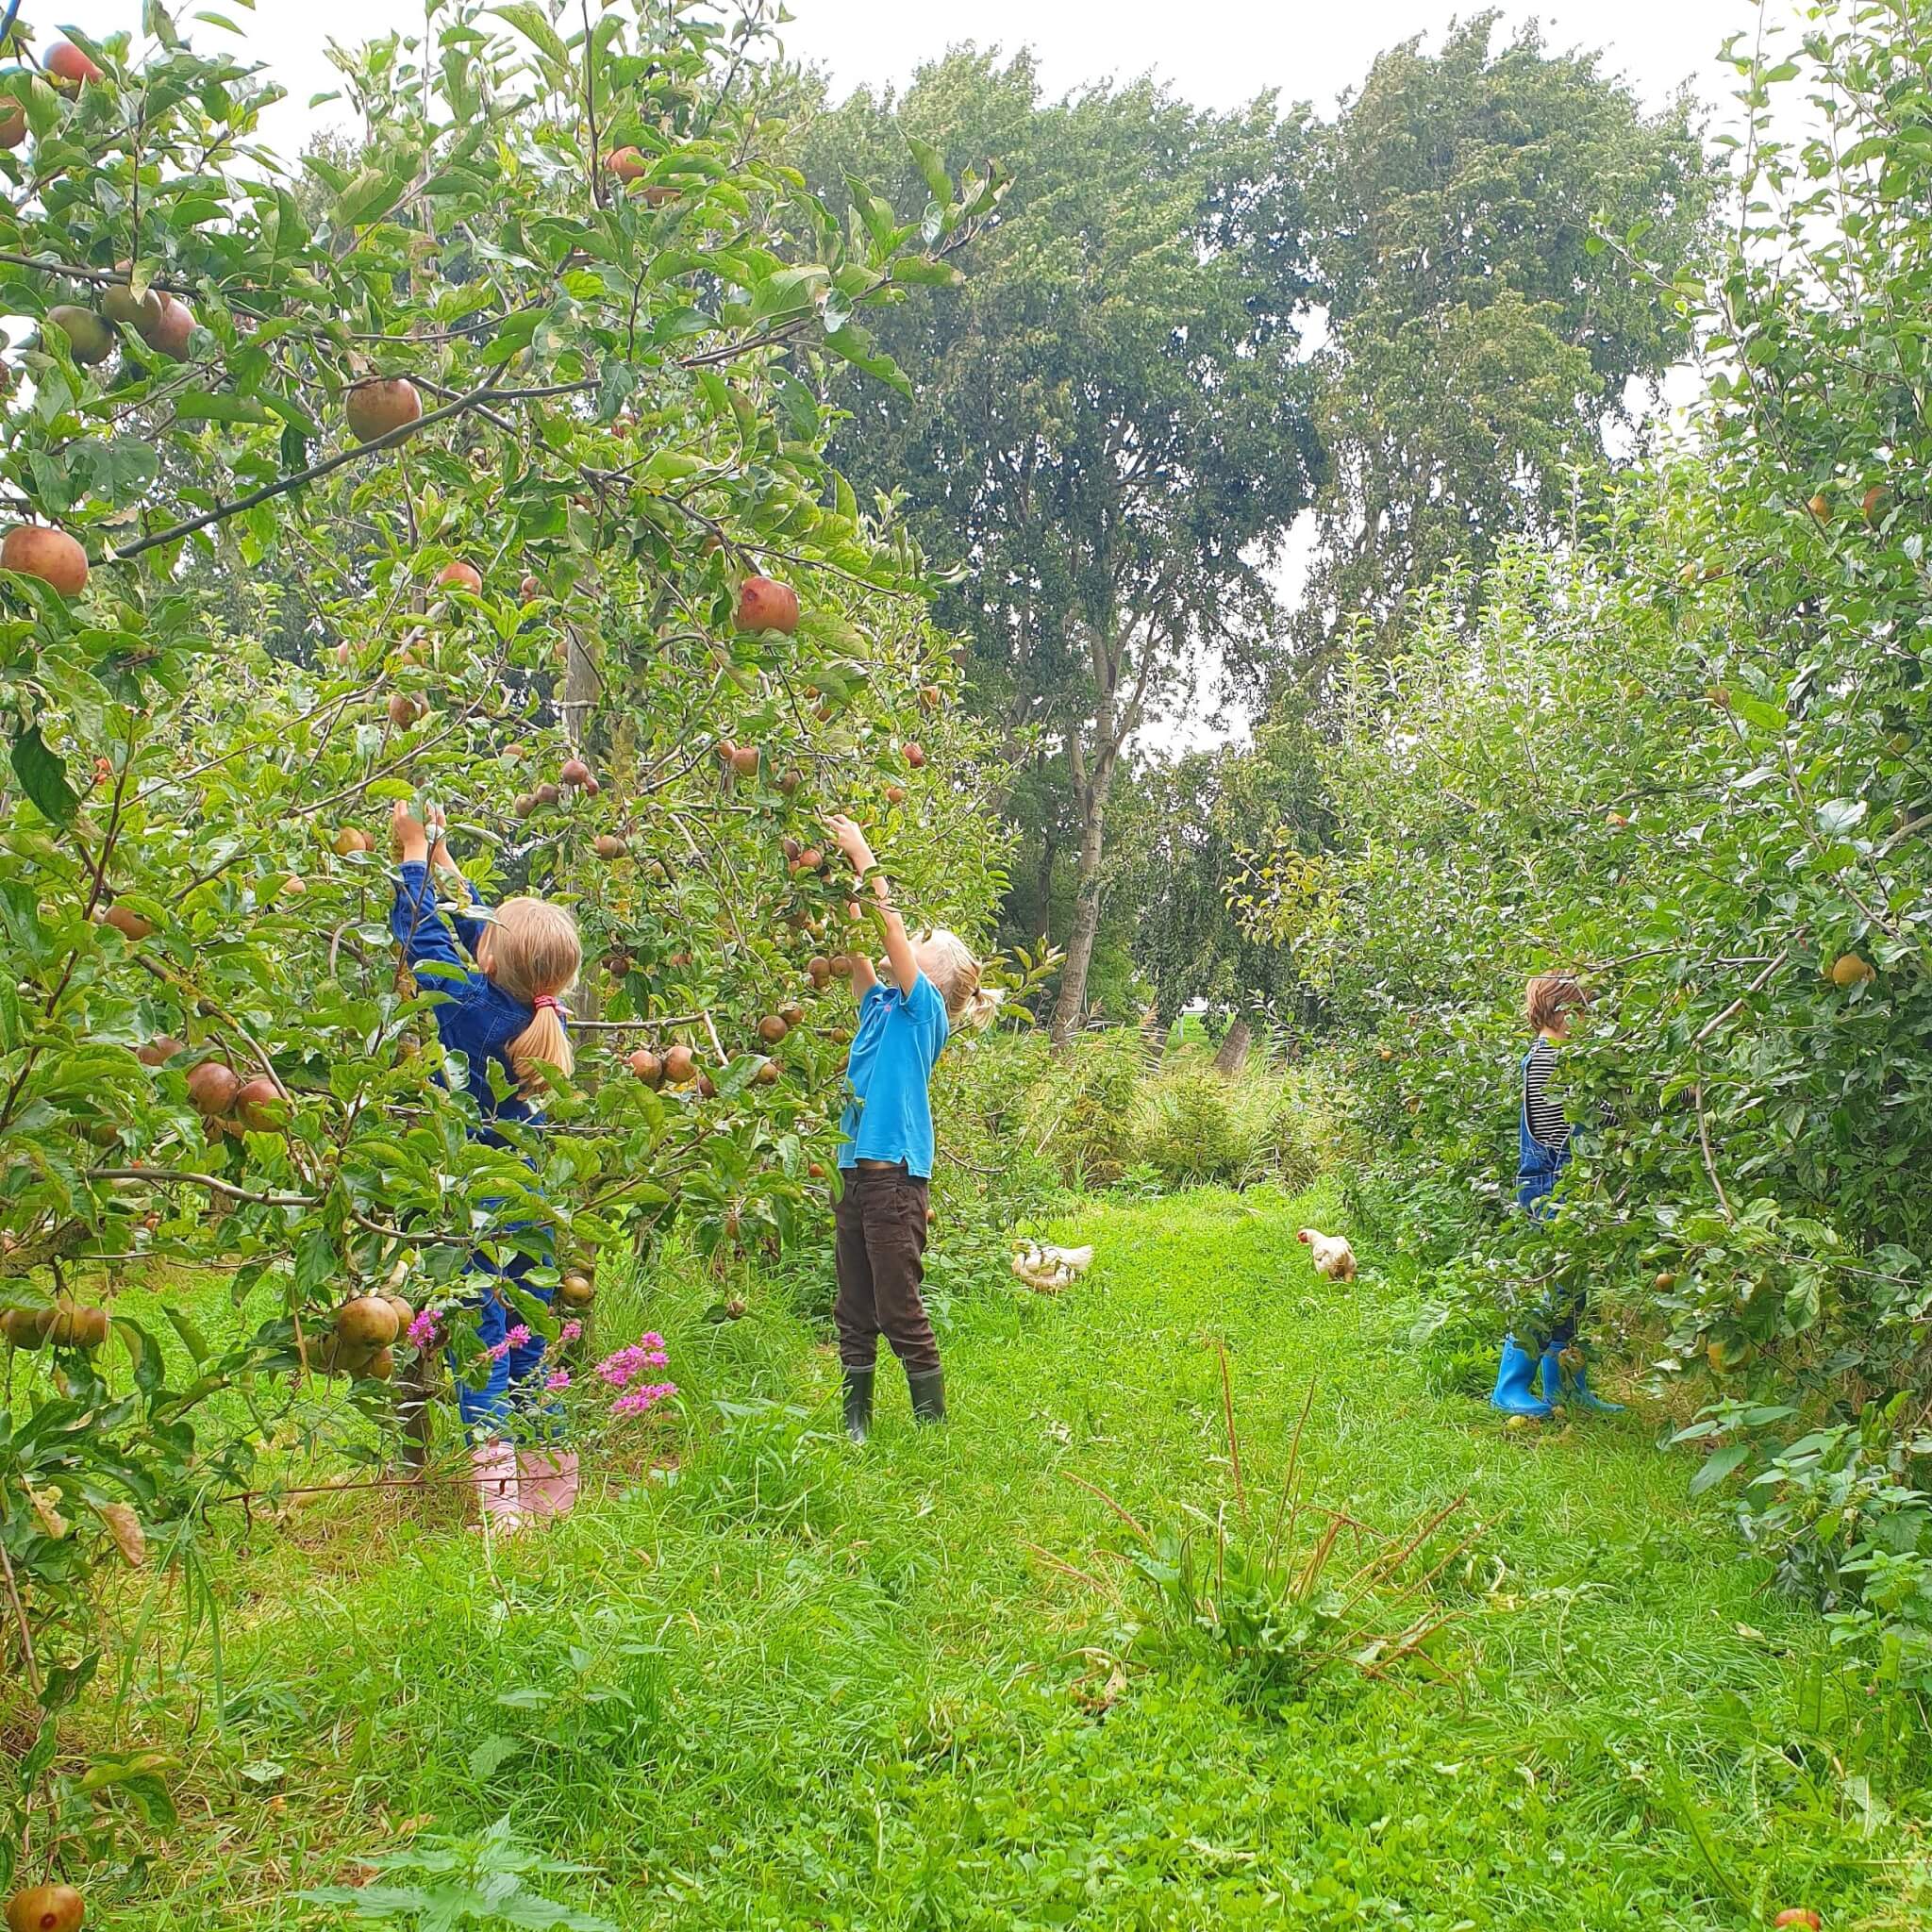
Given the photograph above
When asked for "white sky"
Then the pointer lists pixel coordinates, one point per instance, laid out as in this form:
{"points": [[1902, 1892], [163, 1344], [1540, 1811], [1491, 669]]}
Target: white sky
{"points": [[1215, 52]]}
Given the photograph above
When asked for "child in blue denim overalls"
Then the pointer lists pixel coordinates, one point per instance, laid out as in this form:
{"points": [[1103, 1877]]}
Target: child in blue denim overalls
{"points": [[1543, 1148], [502, 1013]]}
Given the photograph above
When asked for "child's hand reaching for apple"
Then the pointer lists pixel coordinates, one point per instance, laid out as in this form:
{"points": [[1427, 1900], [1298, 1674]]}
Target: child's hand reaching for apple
{"points": [[409, 834]]}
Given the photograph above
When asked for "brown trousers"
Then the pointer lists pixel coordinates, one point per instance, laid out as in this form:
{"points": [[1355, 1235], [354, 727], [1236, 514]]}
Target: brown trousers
{"points": [[880, 1224]]}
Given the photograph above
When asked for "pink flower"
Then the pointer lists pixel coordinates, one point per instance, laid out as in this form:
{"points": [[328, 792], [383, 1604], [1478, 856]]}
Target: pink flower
{"points": [[518, 1337], [422, 1330], [623, 1368], [570, 1331], [644, 1398], [556, 1381], [499, 1350]]}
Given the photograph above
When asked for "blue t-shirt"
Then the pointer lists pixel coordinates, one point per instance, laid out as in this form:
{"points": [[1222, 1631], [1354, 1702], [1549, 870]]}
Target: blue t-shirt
{"points": [[890, 1115]]}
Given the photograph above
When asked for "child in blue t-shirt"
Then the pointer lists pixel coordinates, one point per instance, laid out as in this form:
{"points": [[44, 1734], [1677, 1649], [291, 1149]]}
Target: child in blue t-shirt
{"points": [[885, 1158]]}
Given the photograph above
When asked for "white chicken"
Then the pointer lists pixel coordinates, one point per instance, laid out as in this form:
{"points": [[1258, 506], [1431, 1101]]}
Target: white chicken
{"points": [[1333, 1257], [1047, 1269]]}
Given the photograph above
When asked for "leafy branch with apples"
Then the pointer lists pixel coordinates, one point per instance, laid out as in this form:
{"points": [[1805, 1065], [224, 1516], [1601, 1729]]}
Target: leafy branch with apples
{"points": [[480, 468]]}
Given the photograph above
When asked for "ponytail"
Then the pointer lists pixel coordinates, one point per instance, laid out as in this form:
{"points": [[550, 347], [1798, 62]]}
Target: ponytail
{"points": [[542, 1043], [533, 953]]}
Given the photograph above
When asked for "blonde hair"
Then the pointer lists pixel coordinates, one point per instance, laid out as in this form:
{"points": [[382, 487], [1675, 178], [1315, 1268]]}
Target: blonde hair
{"points": [[959, 979], [531, 950], [1550, 994]]}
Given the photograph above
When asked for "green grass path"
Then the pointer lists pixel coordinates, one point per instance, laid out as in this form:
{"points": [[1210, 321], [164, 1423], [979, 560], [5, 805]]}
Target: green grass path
{"points": [[797, 1686]]}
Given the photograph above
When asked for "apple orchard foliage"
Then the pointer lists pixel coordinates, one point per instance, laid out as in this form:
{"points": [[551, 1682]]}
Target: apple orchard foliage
{"points": [[1690, 758], [620, 375]]}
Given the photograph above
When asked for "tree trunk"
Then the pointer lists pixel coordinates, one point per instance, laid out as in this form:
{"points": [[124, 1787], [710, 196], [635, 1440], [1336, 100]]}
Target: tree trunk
{"points": [[1044, 885], [1071, 1008], [1233, 1054]]}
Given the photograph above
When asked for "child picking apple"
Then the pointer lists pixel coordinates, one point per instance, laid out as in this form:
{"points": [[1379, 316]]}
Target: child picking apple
{"points": [[1544, 1146], [504, 1014], [906, 1010]]}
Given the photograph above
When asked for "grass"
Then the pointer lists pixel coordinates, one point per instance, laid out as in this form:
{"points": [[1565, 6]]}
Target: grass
{"points": [[785, 1683]]}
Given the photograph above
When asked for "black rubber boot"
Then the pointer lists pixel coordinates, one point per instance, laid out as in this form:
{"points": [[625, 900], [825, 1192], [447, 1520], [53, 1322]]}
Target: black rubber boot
{"points": [[929, 1396], [859, 1402]]}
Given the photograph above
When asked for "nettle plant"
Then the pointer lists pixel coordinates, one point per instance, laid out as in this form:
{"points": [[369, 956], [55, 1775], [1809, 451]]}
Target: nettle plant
{"points": [[478, 465]]}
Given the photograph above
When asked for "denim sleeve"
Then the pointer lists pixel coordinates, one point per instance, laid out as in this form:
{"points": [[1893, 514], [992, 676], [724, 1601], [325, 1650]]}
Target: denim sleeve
{"points": [[470, 928], [420, 928]]}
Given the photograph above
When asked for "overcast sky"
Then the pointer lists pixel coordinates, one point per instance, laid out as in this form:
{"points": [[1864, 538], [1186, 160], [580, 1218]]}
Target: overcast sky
{"points": [[1217, 52]]}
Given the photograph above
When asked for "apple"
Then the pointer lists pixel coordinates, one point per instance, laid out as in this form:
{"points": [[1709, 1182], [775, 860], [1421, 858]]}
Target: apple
{"points": [[744, 760], [120, 304], [171, 331], [12, 124], [772, 1030], [788, 782], [607, 845], [706, 1088], [547, 793], [820, 970], [26, 1327], [659, 194], [1849, 970], [402, 709], [726, 751], [259, 1105], [680, 1063], [647, 1067], [462, 577], [627, 164], [90, 337], [929, 697], [351, 839], [294, 886], [764, 605], [126, 922], [524, 804], [367, 1321], [578, 1290], [1819, 506], [895, 794], [575, 772], [1798, 1915], [791, 1013], [915, 752], [158, 1051], [1874, 500], [53, 556], [212, 1087], [65, 62], [381, 406]]}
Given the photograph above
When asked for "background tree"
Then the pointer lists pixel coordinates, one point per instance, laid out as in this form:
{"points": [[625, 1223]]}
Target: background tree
{"points": [[1115, 433], [1195, 829], [1478, 352]]}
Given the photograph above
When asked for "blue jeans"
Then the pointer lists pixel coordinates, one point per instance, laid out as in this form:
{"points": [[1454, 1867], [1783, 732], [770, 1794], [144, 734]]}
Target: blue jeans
{"points": [[507, 1398]]}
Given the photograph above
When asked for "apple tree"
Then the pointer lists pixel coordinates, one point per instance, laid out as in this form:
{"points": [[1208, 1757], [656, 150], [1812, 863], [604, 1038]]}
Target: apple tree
{"points": [[477, 463]]}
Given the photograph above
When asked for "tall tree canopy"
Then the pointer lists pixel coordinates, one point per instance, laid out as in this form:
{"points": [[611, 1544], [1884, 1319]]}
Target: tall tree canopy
{"points": [[1479, 349], [1114, 430]]}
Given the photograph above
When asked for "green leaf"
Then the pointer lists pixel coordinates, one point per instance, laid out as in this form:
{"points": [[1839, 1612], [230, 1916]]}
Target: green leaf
{"points": [[529, 22], [44, 778], [921, 270], [856, 346], [1717, 1465], [925, 158]]}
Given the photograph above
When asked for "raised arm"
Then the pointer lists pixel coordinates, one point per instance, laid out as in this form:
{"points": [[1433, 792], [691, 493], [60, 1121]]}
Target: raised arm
{"points": [[419, 927], [470, 929], [898, 947]]}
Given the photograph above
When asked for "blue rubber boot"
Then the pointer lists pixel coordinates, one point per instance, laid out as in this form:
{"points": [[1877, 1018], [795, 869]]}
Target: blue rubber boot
{"points": [[1513, 1396], [1574, 1387]]}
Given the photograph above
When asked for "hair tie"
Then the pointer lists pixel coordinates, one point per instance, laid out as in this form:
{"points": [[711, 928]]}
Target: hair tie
{"points": [[547, 1001]]}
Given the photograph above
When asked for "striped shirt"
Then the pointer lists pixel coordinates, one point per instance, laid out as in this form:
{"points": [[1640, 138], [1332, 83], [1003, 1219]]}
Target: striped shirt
{"points": [[1547, 1122]]}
